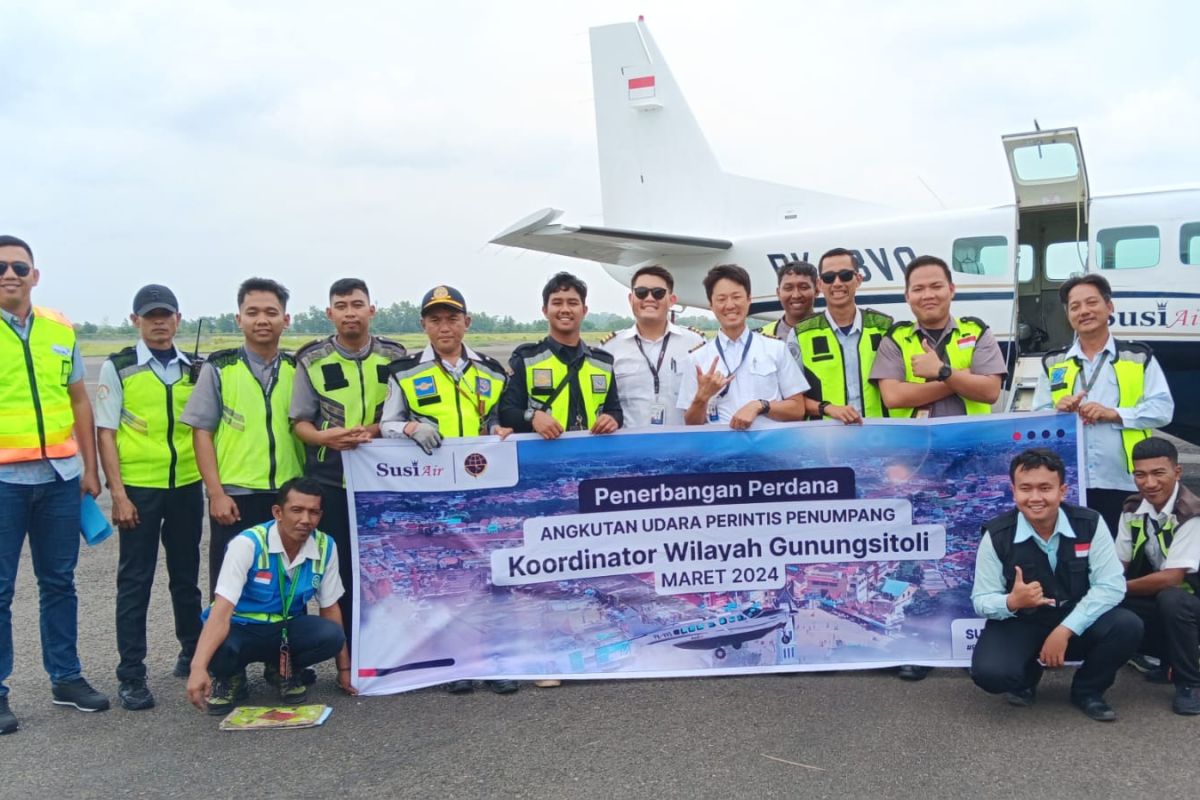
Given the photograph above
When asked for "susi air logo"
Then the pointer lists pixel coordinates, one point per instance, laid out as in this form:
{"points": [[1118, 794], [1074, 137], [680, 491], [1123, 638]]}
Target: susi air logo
{"points": [[475, 464], [1164, 317], [415, 469]]}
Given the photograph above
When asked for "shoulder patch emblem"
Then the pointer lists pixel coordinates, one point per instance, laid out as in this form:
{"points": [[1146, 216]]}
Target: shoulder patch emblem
{"points": [[1058, 375]]}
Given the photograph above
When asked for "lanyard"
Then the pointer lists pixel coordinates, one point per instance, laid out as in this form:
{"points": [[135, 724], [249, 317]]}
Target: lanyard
{"points": [[476, 401], [1088, 384], [272, 378], [654, 368], [288, 596], [731, 372]]}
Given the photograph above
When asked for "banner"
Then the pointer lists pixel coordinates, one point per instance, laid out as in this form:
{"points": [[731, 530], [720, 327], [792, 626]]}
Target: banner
{"points": [[685, 551]]}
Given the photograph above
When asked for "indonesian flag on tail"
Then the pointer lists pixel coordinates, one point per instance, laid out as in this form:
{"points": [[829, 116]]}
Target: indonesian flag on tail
{"points": [[641, 87]]}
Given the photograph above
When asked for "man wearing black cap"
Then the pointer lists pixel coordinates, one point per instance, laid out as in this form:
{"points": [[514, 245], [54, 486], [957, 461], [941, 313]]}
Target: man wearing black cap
{"points": [[446, 390], [146, 452]]}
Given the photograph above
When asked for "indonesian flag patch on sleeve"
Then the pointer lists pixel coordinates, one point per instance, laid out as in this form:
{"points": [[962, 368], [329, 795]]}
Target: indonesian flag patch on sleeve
{"points": [[1082, 550], [264, 576]]}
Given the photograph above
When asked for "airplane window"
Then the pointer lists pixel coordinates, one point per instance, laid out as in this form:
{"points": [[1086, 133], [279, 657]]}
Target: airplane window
{"points": [[1064, 259], [980, 255], [1045, 162], [1134, 247], [1189, 243], [1025, 263]]}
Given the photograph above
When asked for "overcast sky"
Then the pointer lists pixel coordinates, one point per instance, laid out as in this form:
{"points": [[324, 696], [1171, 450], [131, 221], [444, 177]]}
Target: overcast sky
{"points": [[197, 144]]}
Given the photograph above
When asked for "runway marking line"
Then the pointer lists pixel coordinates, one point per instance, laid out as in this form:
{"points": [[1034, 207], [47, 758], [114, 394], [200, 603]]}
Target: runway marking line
{"points": [[793, 763]]}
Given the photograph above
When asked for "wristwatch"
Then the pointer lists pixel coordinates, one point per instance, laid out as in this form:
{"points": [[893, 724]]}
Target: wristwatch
{"points": [[529, 412], [821, 406], [944, 372], [764, 406]]}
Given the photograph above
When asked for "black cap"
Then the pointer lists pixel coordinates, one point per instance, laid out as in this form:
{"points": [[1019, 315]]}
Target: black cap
{"points": [[443, 296], [153, 297]]}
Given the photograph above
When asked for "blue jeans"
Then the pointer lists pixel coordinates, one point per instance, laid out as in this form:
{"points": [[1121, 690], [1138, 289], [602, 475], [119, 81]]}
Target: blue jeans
{"points": [[49, 513]]}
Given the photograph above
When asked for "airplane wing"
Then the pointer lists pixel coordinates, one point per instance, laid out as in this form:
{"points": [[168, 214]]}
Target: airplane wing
{"points": [[607, 245]]}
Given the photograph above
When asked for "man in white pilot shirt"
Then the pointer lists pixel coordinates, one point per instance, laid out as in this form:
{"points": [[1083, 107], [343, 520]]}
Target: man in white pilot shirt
{"points": [[651, 357], [739, 376]]}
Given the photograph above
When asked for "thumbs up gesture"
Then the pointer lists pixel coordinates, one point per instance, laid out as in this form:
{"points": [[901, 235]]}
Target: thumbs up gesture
{"points": [[1026, 595], [927, 364]]}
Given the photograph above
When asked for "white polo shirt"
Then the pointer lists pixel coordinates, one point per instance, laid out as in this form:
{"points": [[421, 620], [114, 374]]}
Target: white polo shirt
{"points": [[762, 369], [636, 359]]}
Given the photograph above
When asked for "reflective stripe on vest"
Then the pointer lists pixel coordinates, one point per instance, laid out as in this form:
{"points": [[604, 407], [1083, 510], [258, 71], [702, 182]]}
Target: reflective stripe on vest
{"points": [[1131, 385], [261, 602], [458, 409], [821, 353], [544, 372], [36, 419], [905, 336], [1165, 536], [255, 446], [154, 447]]}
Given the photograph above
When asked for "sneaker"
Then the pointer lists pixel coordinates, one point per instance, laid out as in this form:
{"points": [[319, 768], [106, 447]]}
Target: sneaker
{"points": [[135, 695], [308, 676], [1094, 706], [293, 692], [460, 687], [913, 672], [1144, 663], [227, 693], [1187, 701], [8, 720], [1022, 698], [183, 666], [547, 684], [501, 687], [80, 694]]}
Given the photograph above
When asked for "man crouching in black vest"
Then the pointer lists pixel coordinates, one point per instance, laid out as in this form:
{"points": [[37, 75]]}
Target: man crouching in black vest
{"points": [[1048, 580]]}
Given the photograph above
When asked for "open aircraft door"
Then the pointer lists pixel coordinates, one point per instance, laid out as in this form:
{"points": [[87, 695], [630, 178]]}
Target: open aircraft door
{"points": [[1051, 186]]}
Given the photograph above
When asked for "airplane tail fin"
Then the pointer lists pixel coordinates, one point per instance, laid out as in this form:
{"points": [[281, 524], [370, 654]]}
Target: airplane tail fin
{"points": [[657, 170]]}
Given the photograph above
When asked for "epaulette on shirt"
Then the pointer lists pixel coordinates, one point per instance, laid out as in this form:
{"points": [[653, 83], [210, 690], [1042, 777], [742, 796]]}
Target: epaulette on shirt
{"points": [[526, 349], [697, 331], [766, 335], [404, 363], [983, 326], [697, 347], [602, 355], [392, 344], [608, 338], [308, 348]]}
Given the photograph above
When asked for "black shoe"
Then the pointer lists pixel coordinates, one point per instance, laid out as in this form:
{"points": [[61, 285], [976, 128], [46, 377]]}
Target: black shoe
{"points": [[227, 693], [460, 687], [135, 695], [183, 666], [1144, 663], [1021, 698], [8, 720], [1094, 706], [308, 676], [913, 672], [502, 687], [80, 694], [1187, 701], [293, 692]]}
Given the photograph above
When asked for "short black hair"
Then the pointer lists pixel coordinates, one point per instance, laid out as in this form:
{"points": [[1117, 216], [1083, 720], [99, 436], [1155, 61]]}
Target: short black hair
{"points": [[1156, 447], [834, 253], [300, 485], [13, 241], [731, 272], [1036, 457], [563, 282], [801, 269], [1092, 279], [263, 285], [927, 261], [658, 271], [345, 286]]}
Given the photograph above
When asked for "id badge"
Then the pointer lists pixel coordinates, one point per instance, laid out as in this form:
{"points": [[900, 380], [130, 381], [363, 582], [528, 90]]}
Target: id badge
{"points": [[713, 415], [658, 414]]}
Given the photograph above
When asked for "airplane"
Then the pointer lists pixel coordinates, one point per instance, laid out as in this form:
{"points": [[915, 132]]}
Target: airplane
{"points": [[729, 628], [666, 200]]}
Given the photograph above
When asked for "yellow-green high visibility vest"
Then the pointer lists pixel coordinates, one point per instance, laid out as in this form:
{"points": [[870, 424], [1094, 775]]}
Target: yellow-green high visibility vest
{"points": [[821, 353], [255, 446], [36, 420], [957, 349], [352, 391], [458, 408], [154, 447], [545, 374], [1130, 368], [1186, 507]]}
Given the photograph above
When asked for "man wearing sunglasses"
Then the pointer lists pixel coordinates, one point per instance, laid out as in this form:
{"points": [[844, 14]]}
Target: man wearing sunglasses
{"points": [[796, 288], [649, 358], [46, 424], [837, 347]]}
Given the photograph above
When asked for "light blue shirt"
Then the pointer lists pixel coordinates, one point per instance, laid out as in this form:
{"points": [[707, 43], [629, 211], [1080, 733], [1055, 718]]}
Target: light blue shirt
{"points": [[1104, 451], [1105, 575], [849, 343], [110, 396], [28, 473]]}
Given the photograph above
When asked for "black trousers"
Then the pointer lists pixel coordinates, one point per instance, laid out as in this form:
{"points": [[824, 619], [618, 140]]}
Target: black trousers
{"points": [[1172, 621], [311, 640], [335, 521], [176, 517], [1005, 658], [255, 510], [1107, 503]]}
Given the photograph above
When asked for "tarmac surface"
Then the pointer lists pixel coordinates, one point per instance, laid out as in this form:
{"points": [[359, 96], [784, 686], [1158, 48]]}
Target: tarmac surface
{"points": [[835, 735]]}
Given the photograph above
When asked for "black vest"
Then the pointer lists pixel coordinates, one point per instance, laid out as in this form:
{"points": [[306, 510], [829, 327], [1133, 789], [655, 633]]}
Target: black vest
{"points": [[1069, 582]]}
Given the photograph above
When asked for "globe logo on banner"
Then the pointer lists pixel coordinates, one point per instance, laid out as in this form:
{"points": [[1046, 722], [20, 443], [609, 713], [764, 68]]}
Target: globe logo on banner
{"points": [[475, 464]]}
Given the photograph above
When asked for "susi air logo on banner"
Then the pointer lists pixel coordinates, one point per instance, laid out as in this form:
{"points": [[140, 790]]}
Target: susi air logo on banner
{"points": [[398, 465]]}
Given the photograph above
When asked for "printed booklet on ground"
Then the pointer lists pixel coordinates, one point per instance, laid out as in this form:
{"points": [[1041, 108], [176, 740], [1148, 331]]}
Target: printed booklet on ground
{"points": [[250, 718]]}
